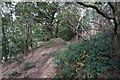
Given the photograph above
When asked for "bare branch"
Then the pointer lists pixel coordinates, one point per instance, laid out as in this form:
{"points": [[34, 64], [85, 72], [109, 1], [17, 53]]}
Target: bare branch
{"points": [[71, 26], [85, 30], [96, 8]]}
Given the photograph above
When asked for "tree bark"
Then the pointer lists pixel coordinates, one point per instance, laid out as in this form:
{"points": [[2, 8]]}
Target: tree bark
{"points": [[50, 32], [116, 37], [4, 45]]}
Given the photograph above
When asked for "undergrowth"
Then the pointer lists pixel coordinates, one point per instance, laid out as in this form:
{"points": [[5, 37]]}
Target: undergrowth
{"points": [[86, 59]]}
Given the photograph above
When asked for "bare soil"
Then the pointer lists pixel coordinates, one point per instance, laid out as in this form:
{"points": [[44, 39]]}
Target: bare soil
{"points": [[40, 58]]}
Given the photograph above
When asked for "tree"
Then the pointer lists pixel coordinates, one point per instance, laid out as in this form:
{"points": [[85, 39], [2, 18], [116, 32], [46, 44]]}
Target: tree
{"points": [[24, 16], [4, 41], [16, 29], [115, 7], [6, 19], [46, 13]]}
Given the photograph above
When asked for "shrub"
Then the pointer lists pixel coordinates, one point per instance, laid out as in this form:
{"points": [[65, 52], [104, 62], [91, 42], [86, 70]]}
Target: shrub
{"points": [[66, 34], [12, 74], [85, 59], [28, 65]]}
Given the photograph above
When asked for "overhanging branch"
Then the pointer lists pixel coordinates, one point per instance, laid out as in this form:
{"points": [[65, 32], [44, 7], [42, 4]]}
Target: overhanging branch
{"points": [[96, 8]]}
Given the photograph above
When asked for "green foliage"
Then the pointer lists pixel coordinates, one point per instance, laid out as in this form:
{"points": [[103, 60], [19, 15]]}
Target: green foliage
{"points": [[28, 65], [85, 59], [20, 34], [12, 74], [34, 23], [66, 34]]}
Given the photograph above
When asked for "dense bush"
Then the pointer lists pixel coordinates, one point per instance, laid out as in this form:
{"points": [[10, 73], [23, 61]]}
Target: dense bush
{"points": [[85, 59], [66, 34]]}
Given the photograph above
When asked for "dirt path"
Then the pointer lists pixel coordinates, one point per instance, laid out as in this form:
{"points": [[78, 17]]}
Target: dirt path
{"points": [[40, 58]]}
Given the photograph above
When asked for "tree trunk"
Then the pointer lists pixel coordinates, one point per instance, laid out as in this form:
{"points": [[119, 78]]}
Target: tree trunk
{"points": [[50, 32], [56, 31], [4, 45], [116, 38]]}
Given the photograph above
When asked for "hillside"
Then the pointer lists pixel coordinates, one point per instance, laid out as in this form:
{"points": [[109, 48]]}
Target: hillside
{"points": [[39, 63], [60, 40]]}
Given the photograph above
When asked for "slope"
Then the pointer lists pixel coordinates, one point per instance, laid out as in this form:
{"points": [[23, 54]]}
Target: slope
{"points": [[35, 64]]}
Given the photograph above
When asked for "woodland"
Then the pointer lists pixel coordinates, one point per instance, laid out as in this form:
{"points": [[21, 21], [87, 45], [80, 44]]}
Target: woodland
{"points": [[75, 40]]}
